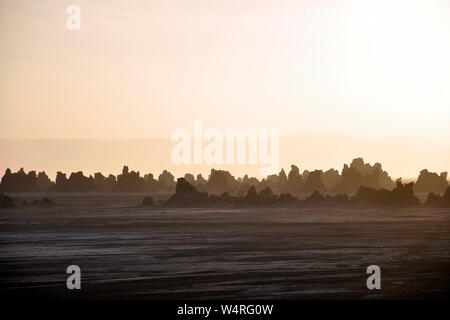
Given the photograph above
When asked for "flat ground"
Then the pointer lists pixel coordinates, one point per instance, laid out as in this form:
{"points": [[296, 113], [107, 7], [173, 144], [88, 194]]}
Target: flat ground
{"points": [[128, 252]]}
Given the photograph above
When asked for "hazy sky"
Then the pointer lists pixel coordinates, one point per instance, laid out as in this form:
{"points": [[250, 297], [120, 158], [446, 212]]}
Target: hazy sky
{"points": [[143, 68]]}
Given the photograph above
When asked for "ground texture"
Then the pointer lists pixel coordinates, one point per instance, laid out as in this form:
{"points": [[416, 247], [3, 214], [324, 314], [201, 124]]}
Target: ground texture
{"points": [[129, 252]]}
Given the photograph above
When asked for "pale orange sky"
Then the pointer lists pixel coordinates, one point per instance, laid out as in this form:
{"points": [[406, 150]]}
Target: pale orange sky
{"points": [[140, 69], [401, 157]]}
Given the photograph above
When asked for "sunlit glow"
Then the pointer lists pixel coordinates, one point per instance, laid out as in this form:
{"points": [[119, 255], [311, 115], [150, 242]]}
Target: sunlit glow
{"points": [[139, 69]]}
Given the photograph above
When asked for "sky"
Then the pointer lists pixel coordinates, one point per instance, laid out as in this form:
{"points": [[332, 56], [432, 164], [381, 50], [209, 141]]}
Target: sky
{"points": [[141, 69]]}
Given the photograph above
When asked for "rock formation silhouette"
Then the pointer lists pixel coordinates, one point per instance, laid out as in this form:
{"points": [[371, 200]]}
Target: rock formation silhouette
{"points": [[19, 181], [435, 200], [130, 181], [147, 202], [402, 194], [221, 181], [363, 174], [431, 182], [295, 180], [331, 178], [43, 182], [186, 195], [77, 182], [318, 199], [166, 180], [295, 184], [105, 184], [10, 202], [6, 201], [314, 182]]}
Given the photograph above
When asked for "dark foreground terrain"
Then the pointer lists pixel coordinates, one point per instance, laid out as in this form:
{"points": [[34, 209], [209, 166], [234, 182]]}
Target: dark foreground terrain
{"points": [[129, 252]]}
